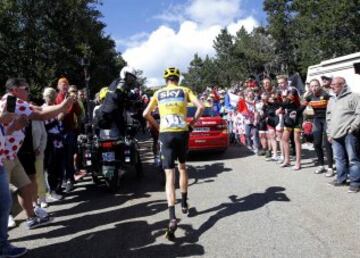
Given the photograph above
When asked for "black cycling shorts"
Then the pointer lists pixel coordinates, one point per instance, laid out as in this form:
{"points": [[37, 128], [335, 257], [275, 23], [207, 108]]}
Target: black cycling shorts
{"points": [[27, 160], [173, 146], [262, 125]]}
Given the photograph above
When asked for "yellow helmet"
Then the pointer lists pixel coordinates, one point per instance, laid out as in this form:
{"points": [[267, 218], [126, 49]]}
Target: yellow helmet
{"points": [[171, 71], [103, 93]]}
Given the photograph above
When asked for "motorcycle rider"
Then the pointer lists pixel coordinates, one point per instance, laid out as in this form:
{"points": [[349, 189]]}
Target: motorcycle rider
{"points": [[111, 114], [172, 101], [100, 97]]}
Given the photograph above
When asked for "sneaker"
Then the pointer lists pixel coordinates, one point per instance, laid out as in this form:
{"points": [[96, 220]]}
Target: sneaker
{"points": [[42, 202], [40, 212], [63, 184], [353, 189], [172, 225], [261, 153], [268, 154], [280, 160], [320, 170], [69, 187], [54, 197], [11, 222], [275, 158], [36, 222], [12, 251], [337, 183], [330, 172]]}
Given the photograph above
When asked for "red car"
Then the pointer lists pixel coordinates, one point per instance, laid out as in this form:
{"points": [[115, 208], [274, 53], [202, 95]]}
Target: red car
{"points": [[210, 131]]}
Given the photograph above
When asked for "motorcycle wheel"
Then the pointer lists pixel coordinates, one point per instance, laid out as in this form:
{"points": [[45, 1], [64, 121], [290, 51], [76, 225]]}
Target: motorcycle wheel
{"points": [[113, 182], [138, 166], [95, 179]]}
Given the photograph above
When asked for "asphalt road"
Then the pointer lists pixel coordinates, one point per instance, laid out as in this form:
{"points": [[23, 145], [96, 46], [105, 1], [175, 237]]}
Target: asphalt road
{"points": [[241, 206]]}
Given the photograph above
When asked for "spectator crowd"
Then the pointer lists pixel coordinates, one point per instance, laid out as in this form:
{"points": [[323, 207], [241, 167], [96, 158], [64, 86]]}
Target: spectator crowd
{"points": [[38, 139], [37, 136], [275, 119]]}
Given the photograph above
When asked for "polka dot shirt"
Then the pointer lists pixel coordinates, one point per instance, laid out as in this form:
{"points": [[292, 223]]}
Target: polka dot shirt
{"points": [[14, 141]]}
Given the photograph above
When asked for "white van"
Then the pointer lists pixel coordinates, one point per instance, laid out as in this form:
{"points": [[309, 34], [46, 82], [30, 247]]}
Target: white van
{"points": [[345, 66]]}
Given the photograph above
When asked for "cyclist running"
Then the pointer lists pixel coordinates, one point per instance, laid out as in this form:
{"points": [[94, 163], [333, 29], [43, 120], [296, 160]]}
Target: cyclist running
{"points": [[172, 102]]}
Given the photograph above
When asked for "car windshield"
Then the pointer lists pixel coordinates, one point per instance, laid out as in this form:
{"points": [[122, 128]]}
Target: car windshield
{"points": [[208, 112]]}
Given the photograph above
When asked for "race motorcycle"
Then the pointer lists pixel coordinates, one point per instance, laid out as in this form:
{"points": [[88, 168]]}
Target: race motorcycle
{"points": [[110, 157]]}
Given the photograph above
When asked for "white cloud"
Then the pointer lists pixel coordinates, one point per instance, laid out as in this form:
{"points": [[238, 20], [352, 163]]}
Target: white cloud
{"points": [[166, 47], [203, 12], [249, 24], [174, 13], [133, 41], [210, 12]]}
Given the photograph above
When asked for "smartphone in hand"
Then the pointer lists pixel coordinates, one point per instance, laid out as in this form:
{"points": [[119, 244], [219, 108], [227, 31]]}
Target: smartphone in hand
{"points": [[10, 104]]}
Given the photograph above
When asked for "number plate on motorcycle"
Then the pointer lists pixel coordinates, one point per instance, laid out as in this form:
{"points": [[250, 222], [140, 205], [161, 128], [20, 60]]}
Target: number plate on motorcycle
{"points": [[108, 156]]}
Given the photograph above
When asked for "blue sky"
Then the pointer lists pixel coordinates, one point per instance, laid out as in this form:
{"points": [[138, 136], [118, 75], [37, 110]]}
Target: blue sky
{"points": [[148, 32]]}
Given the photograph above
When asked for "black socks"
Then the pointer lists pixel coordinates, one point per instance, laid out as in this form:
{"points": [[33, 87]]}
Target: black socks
{"points": [[183, 205], [172, 212], [184, 199]]}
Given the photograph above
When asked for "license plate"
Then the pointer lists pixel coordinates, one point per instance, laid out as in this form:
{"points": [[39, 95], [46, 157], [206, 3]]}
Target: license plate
{"points": [[127, 159], [200, 141], [108, 171], [88, 163], [108, 156], [201, 129]]}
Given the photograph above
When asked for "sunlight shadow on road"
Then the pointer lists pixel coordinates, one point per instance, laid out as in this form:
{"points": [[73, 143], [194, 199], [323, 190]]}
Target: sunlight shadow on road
{"points": [[122, 241], [90, 221], [206, 173], [233, 152], [251, 202]]}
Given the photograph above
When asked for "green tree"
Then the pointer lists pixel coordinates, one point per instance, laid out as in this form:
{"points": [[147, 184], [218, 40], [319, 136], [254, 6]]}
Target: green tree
{"points": [[194, 77], [42, 40], [255, 52], [280, 26], [225, 60], [325, 29], [201, 74]]}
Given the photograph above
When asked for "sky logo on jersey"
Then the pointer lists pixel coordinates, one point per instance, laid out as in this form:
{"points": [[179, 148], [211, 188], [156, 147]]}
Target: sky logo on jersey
{"points": [[171, 95]]}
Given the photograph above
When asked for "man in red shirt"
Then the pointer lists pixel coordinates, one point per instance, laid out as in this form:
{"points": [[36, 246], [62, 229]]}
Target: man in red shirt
{"points": [[70, 129]]}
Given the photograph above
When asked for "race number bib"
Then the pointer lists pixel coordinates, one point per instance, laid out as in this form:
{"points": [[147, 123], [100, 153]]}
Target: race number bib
{"points": [[173, 121]]}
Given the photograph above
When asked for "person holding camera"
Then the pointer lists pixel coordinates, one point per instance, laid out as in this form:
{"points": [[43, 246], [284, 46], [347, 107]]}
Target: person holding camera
{"points": [[6, 249], [17, 92], [69, 120]]}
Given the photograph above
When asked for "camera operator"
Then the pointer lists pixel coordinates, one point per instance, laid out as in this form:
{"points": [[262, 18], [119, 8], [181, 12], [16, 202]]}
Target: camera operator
{"points": [[119, 99]]}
